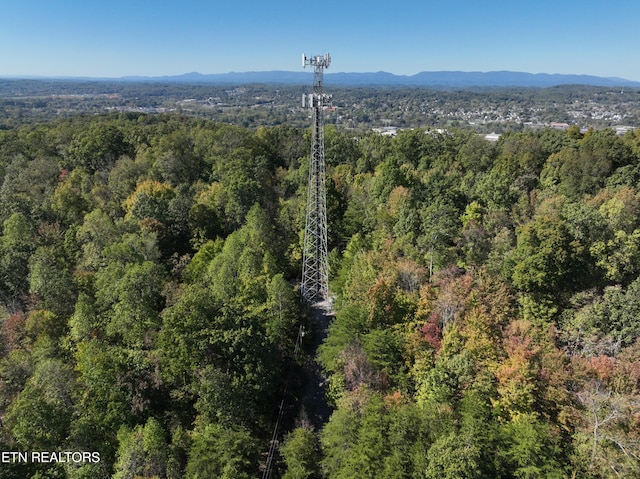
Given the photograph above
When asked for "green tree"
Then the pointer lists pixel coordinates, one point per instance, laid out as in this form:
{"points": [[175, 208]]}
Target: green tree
{"points": [[47, 334], [27, 187], [438, 227], [583, 170], [130, 296], [149, 203], [282, 311], [218, 451], [454, 456], [98, 146], [389, 174], [96, 233], [532, 450], [51, 281], [72, 199], [40, 417], [301, 454], [614, 245], [247, 261], [602, 324], [142, 452], [338, 438], [176, 159], [544, 258], [100, 408], [16, 246]]}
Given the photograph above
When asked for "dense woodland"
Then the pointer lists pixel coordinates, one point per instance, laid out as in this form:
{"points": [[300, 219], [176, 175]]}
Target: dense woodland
{"points": [[487, 301]]}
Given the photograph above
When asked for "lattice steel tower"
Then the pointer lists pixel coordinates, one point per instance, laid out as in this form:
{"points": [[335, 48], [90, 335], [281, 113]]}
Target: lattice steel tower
{"points": [[315, 265]]}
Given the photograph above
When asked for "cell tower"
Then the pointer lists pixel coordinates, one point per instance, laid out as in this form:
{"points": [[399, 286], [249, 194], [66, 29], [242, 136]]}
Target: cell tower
{"points": [[315, 265]]}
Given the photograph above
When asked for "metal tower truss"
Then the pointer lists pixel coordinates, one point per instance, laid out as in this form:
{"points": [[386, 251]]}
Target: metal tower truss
{"points": [[315, 264]]}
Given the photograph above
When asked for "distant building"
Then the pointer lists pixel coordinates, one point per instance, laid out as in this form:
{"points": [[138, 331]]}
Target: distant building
{"points": [[387, 130], [621, 129]]}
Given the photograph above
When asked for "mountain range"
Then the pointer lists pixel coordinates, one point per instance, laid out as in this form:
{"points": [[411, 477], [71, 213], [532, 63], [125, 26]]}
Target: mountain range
{"points": [[438, 79]]}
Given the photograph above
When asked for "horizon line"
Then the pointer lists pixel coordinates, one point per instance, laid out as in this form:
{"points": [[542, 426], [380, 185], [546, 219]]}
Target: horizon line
{"points": [[195, 72], [184, 77]]}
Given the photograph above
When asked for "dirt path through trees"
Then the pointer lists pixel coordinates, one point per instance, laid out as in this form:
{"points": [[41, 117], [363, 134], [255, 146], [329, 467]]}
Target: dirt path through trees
{"points": [[313, 404]]}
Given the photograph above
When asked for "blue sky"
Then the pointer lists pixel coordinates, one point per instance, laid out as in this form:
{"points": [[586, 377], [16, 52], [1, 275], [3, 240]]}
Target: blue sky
{"points": [[113, 38]]}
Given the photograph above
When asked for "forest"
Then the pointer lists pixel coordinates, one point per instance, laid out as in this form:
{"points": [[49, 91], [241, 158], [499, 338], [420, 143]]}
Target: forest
{"points": [[487, 301]]}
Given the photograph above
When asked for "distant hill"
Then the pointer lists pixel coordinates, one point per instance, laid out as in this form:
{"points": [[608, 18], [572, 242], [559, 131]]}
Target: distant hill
{"points": [[447, 79]]}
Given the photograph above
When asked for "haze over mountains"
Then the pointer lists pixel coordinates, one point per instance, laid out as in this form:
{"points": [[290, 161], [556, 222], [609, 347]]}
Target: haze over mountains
{"points": [[436, 79], [452, 79]]}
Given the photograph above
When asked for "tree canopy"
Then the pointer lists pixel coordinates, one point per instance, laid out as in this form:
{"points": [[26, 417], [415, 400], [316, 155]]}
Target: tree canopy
{"points": [[486, 301]]}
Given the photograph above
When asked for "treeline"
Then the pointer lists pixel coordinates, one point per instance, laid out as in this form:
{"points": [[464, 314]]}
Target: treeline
{"points": [[487, 311]]}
